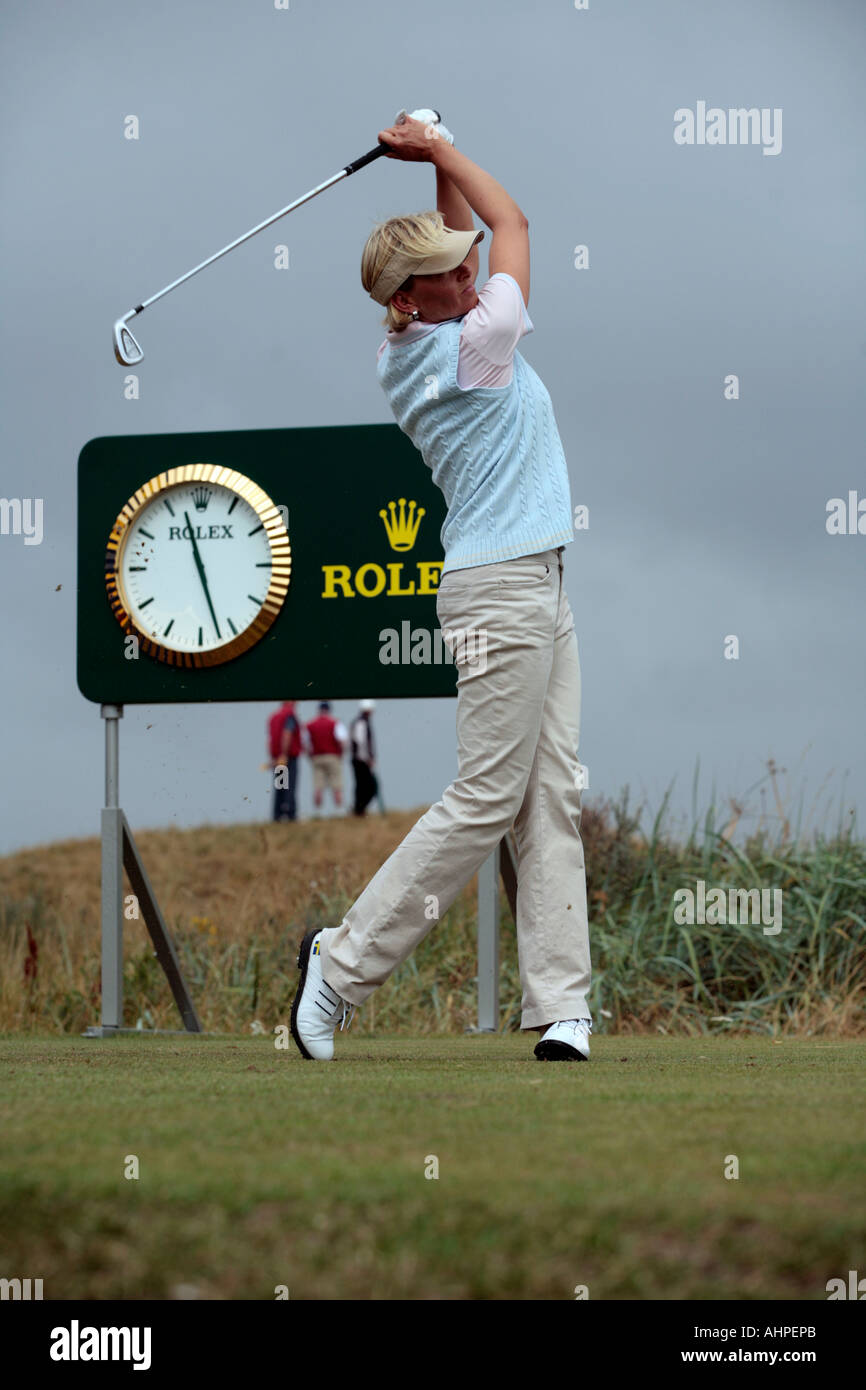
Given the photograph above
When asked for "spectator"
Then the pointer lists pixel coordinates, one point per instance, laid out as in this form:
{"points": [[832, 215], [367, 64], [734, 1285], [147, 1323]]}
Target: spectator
{"points": [[326, 739], [285, 747], [364, 758]]}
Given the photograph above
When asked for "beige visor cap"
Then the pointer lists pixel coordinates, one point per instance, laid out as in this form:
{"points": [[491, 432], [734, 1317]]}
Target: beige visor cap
{"points": [[455, 248]]}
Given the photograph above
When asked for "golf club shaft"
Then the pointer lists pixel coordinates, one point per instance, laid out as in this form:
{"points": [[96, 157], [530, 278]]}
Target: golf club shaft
{"points": [[349, 169]]}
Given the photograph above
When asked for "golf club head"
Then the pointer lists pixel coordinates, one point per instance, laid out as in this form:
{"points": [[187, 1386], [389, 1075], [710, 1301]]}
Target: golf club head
{"points": [[126, 349]]}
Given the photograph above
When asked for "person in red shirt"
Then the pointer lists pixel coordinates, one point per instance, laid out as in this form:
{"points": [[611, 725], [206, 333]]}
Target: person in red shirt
{"points": [[326, 740], [284, 737]]}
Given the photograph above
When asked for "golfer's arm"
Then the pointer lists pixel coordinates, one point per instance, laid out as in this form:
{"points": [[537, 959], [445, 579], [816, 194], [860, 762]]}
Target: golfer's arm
{"points": [[452, 204], [509, 248], [482, 192], [456, 212]]}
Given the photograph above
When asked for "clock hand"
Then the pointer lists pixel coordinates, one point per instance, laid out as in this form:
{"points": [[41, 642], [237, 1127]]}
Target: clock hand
{"points": [[200, 568]]}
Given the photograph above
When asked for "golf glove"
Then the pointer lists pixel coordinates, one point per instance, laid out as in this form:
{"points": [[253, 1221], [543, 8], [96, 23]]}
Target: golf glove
{"points": [[429, 117]]}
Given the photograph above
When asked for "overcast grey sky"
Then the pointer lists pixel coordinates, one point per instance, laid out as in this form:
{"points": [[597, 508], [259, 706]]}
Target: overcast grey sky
{"points": [[707, 515]]}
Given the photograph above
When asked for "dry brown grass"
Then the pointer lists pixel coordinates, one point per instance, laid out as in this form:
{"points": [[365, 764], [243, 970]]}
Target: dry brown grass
{"points": [[238, 899]]}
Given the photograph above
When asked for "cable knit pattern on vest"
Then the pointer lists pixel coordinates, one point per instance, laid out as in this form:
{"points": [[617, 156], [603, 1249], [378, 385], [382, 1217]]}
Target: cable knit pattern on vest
{"points": [[494, 451]]}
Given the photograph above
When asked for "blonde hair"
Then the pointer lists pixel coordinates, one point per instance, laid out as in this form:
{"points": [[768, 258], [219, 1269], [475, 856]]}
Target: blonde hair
{"points": [[419, 234]]}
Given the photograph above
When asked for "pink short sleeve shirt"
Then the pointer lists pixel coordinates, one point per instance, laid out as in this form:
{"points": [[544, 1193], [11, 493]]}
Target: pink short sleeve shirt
{"points": [[488, 337]]}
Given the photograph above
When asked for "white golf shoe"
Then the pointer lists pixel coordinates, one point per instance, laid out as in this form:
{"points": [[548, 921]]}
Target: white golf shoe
{"points": [[317, 1008], [565, 1042]]}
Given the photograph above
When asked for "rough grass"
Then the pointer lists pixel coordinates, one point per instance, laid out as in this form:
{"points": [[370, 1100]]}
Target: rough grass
{"points": [[257, 1169], [237, 900]]}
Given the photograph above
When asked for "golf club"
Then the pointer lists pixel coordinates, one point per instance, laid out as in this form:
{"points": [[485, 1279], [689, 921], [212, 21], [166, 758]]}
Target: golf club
{"points": [[126, 347]]}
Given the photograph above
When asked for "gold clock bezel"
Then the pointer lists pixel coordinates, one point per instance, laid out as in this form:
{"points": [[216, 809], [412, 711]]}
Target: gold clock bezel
{"points": [[281, 561]]}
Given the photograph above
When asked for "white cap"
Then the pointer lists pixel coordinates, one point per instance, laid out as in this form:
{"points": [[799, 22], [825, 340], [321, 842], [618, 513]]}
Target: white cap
{"points": [[453, 248]]}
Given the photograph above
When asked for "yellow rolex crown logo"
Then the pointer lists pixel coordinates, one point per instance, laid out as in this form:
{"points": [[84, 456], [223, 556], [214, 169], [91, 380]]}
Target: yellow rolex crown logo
{"points": [[402, 529]]}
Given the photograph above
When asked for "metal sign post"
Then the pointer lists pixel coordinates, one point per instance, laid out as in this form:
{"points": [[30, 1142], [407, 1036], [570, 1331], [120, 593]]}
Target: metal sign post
{"points": [[488, 944], [112, 878], [503, 861], [119, 852]]}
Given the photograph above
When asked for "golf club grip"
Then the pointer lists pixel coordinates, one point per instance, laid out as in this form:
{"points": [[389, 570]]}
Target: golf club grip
{"points": [[367, 158]]}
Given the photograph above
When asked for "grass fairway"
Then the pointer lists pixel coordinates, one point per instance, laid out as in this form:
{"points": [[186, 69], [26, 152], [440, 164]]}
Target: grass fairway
{"points": [[258, 1169]]}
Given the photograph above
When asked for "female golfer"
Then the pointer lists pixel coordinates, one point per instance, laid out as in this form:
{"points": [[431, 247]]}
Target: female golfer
{"points": [[484, 424]]}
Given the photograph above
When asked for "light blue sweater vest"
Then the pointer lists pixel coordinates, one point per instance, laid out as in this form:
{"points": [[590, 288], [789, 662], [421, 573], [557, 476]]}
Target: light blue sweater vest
{"points": [[494, 451]]}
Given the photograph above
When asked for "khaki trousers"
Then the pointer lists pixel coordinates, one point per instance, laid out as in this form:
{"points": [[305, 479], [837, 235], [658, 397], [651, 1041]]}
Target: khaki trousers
{"points": [[327, 771], [518, 722]]}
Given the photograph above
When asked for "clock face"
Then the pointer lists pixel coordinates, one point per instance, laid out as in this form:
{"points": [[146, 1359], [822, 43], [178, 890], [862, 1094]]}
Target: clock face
{"points": [[198, 565]]}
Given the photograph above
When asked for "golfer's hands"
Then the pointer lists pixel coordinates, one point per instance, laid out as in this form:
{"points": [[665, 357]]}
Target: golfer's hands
{"points": [[412, 141]]}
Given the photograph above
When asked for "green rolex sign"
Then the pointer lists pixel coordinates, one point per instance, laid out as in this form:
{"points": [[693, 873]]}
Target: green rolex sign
{"points": [[259, 564]]}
